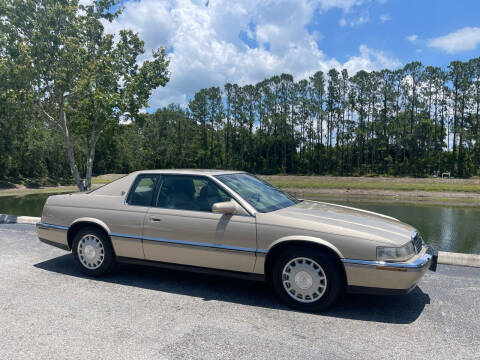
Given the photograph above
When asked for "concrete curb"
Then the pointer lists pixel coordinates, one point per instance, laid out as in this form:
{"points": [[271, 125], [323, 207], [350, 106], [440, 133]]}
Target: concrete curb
{"points": [[14, 219], [450, 258], [444, 257]]}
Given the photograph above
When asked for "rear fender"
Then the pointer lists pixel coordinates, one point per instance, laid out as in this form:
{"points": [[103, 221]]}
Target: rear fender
{"points": [[94, 221]]}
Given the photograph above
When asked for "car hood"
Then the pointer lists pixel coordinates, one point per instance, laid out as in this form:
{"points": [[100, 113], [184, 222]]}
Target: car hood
{"points": [[344, 221]]}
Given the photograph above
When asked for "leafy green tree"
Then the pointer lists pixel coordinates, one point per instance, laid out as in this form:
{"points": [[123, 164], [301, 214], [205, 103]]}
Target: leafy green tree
{"points": [[461, 78], [79, 78]]}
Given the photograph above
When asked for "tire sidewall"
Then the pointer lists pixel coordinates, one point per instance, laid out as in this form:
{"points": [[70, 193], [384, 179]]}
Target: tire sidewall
{"points": [[109, 256], [335, 282]]}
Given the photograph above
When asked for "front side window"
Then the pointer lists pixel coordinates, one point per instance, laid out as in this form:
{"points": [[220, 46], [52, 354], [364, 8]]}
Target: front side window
{"points": [[263, 196], [184, 192], [142, 190]]}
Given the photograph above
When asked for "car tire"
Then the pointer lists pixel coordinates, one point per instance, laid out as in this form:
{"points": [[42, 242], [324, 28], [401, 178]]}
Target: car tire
{"points": [[92, 252], [307, 279]]}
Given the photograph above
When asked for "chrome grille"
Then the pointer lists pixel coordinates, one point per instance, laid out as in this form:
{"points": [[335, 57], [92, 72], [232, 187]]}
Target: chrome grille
{"points": [[417, 241]]}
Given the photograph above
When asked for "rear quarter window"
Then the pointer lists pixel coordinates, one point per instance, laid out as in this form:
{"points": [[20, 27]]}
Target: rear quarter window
{"points": [[142, 190]]}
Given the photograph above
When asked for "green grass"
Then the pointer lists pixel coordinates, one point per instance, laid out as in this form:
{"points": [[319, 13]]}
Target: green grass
{"points": [[47, 185], [101, 181], [105, 179], [429, 200], [302, 183], [34, 183], [52, 190], [373, 184]]}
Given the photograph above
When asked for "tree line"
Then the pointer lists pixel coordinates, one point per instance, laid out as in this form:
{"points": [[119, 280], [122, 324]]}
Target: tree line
{"points": [[417, 121], [412, 121]]}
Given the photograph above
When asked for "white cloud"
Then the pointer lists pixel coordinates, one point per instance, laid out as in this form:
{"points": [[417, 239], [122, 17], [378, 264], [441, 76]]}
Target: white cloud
{"points": [[463, 39], [356, 21], [354, 18], [412, 37], [362, 19], [385, 18], [207, 49], [346, 5], [370, 59]]}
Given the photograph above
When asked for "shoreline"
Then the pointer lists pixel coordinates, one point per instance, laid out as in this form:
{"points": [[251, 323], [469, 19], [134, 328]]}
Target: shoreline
{"points": [[392, 190], [19, 192], [378, 196], [388, 190], [17, 189]]}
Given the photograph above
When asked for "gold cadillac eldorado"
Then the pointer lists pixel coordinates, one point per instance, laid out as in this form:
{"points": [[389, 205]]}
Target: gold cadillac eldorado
{"points": [[235, 224]]}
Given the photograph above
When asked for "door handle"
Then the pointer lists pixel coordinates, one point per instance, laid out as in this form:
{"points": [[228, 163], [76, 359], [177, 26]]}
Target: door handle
{"points": [[155, 219]]}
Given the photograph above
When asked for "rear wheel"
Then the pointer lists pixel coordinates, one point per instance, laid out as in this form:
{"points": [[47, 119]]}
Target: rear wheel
{"points": [[307, 279], [92, 251]]}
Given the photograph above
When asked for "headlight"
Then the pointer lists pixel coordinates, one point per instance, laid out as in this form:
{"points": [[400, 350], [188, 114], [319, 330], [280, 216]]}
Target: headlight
{"points": [[395, 253]]}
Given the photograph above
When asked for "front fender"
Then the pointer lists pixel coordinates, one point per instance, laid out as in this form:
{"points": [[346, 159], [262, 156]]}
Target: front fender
{"points": [[311, 239], [262, 257]]}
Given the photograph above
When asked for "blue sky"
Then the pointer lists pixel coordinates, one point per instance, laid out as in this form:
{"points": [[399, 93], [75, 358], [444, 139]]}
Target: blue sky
{"points": [[244, 41], [389, 24]]}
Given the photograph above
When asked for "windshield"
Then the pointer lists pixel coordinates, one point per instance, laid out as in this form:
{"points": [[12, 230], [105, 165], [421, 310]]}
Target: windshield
{"points": [[263, 196]]}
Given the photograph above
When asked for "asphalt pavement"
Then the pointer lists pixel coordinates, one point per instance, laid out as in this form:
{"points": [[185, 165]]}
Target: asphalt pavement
{"points": [[49, 310]]}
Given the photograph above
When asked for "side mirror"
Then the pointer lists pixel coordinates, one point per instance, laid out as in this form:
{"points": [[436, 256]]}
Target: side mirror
{"points": [[226, 207]]}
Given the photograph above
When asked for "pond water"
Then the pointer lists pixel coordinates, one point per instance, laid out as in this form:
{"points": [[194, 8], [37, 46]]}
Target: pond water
{"points": [[28, 205], [446, 228]]}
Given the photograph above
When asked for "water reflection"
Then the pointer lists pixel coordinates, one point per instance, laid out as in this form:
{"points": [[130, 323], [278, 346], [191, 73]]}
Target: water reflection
{"points": [[28, 205], [444, 227]]}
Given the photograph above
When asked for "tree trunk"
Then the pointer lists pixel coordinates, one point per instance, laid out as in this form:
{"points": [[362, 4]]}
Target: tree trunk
{"points": [[90, 157], [454, 149], [70, 152]]}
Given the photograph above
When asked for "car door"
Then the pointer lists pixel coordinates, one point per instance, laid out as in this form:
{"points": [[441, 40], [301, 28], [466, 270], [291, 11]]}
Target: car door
{"points": [[181, 228], [126, 223]]}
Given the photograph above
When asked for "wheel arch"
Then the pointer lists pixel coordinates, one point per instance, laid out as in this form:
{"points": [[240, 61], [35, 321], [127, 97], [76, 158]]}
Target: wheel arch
{"points": [[82, 222], [282, 244]]}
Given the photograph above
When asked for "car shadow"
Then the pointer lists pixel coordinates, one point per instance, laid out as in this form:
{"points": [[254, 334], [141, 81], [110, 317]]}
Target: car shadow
{"points": [[403, 309]]}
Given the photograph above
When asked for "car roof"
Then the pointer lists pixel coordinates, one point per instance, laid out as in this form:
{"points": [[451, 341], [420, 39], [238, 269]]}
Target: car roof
{"points": [[189, 171]]}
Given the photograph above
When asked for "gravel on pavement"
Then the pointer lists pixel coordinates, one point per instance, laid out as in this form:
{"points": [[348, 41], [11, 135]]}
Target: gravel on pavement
{"points": [[49, 310]]}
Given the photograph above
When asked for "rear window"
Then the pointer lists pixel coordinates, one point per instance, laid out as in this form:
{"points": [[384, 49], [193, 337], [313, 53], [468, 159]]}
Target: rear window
{"points": [[142, 190]]}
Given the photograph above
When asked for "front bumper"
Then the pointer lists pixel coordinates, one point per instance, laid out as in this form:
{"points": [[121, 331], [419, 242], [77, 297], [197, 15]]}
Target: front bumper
{"points": [[387, 277], [434, 253]]}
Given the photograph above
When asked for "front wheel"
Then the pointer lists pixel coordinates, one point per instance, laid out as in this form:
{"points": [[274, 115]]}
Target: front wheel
{"points": [[92, 252], [307, 279]]}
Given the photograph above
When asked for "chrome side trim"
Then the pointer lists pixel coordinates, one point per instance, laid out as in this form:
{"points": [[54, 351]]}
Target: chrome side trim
{"points": [[126, 236], [416, 265], [189, 243], [52, 226], [168, 241]]}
